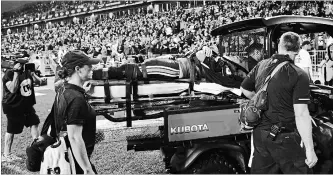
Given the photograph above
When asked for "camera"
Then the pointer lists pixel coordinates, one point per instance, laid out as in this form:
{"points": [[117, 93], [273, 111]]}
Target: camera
{"points": [[9, 64], [29, 67]]}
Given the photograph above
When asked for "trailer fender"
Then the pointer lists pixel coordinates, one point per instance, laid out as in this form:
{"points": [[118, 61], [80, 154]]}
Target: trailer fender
{"points": [[233, 150], [325, 117], [323, 134]]}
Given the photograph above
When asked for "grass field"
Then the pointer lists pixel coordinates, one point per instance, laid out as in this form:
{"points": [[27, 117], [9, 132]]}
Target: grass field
{"points": [[110, 156]]}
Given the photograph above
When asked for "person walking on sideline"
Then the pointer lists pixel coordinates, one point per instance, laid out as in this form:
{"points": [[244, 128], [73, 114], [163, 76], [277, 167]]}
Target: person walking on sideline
{"points": [[80, 117]]}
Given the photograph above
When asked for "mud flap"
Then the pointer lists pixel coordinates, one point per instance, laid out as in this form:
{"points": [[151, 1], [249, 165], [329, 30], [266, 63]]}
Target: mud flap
{"points": [[252, 151], [235, 151]]}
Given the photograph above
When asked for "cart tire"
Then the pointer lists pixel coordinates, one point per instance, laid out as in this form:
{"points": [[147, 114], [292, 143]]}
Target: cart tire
{"points": [[213, 162]]}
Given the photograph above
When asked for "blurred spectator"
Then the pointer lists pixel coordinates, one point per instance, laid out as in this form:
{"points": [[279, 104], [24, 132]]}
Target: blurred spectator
{"points": [[303, 59]]}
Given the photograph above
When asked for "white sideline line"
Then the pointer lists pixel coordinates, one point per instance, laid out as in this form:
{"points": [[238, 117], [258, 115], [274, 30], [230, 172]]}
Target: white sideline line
{"points": [[39, 94], [42, 88]]}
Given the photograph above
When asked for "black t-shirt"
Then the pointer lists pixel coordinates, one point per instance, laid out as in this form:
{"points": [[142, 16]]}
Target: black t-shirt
{"points": [[251, 63], [79, 112], [24, 98], [289, 86], [57, 78]]}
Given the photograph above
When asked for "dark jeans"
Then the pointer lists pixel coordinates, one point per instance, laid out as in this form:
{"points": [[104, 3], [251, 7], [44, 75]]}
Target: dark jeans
{"points": [[283, 155]]}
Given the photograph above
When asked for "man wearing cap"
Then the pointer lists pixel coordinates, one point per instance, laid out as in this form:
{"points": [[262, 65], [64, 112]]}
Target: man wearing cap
{"points": [[303, 59], [18, 100], [255, 55]]}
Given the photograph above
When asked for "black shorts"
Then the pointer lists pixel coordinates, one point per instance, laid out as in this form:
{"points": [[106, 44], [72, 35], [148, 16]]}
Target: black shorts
{"points": [[17, 120]]}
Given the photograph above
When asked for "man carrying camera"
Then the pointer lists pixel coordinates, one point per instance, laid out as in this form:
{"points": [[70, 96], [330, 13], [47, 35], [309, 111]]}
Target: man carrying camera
{"points": [[18, 100]]}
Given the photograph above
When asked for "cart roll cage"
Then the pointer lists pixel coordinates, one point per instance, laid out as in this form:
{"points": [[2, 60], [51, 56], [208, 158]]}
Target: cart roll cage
{"points": [[277, 25]]}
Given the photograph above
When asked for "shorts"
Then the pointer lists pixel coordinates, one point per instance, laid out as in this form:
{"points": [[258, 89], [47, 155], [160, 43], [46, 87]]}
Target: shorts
{"points": [[16, 121]]}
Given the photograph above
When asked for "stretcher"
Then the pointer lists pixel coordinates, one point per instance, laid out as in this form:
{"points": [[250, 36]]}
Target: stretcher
{"points": [[134, 92], [128, 100]]}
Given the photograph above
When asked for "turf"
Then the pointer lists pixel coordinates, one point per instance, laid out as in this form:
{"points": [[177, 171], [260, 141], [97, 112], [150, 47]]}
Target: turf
{"points": [[110, 156]]}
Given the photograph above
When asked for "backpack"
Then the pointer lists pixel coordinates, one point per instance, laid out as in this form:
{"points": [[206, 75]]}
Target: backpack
{"points": [[35, 152], [36, 149], [251, 110], [58, 157]]}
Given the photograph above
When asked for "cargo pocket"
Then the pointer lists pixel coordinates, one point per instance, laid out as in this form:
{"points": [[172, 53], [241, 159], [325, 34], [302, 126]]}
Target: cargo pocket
{"points": [[291, 146], [301, 167], [291, 138]]}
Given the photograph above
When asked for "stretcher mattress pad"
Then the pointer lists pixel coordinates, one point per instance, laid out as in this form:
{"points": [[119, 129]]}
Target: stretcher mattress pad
{"points": [[119, 91]]}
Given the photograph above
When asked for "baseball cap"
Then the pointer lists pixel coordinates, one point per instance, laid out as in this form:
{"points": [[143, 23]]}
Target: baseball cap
{"points": [[306, 43], [77, 58]]}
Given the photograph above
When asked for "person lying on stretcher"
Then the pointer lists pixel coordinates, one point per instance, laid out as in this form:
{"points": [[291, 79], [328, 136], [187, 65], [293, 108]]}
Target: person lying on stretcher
{"points": [[208, 65]]}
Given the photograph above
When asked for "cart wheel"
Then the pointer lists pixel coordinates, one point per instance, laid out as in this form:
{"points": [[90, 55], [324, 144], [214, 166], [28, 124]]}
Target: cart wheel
{"points": [[213, 162]]}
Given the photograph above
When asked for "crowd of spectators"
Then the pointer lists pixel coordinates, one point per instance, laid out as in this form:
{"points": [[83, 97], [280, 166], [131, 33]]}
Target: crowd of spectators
{"points": [[174, 31], [44, 8]]}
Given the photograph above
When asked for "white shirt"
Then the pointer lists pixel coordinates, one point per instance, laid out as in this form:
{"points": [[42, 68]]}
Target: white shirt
{"points": [[303, 60], [329, 69]]}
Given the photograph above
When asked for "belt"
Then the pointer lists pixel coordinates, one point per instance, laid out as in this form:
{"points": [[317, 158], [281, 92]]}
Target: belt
{"points": [[287, 131], [281, 131]]}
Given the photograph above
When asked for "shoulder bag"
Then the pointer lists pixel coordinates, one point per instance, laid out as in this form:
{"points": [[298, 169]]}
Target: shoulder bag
{"points": [[251, 110], [58, 158]]}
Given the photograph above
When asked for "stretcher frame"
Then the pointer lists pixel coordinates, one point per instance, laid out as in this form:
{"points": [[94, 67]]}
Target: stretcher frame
{"points": [[133, 101]]}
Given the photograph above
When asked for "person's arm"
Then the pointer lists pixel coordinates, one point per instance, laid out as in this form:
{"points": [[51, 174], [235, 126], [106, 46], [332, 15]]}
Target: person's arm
{"points": [[301, 98], [322, 63], [248, 84], [307, 71], [36, 78], [304, 127], [76, 117], [78, 147], [248, 94], [13, 85], [308, 66]]}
